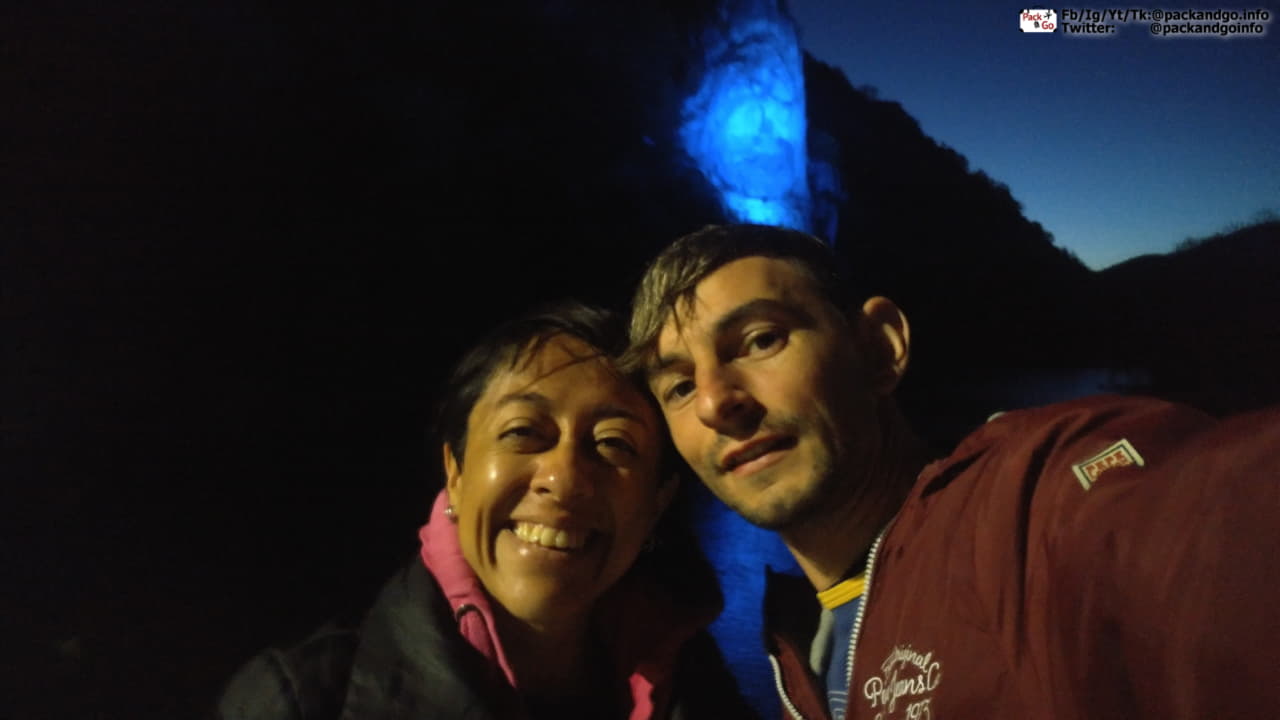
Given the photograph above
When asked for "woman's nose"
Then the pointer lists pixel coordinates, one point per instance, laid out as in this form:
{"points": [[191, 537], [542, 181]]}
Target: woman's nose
{"points": [[565, 473]]}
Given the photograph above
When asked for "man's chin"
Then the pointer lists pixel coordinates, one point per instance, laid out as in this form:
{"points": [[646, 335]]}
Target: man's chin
{"points": [[778, 514]]}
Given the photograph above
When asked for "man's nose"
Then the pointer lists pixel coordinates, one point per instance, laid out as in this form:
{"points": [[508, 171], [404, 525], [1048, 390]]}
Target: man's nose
{"points": [[564, 473], [724, 404]]}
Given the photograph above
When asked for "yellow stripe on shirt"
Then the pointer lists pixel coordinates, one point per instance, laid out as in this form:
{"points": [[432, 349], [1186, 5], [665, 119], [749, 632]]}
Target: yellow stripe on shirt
{"points": [[843, 591]]}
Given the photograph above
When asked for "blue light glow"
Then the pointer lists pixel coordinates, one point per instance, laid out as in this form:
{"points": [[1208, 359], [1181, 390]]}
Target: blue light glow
{"points": [[745, 126]]}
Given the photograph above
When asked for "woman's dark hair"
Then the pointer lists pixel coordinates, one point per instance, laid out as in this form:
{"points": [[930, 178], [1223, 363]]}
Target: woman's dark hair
{"points": [[505, 345]]}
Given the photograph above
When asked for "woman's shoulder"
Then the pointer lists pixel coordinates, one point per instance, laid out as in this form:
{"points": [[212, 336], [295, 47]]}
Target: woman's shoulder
{"points": [[307, 681]]}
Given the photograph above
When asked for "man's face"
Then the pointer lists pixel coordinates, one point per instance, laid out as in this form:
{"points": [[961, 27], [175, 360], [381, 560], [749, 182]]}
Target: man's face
{"points": [[764, 392]]}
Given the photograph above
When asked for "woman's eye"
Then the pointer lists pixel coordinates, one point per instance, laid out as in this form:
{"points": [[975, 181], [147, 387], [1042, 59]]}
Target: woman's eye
{"points": [[528, 438], [614, 443], [519, 432]]}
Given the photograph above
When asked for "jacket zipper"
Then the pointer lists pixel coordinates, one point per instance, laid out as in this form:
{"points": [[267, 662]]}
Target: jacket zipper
{"points": [[862, 608], [853, 636], [777, 680]]}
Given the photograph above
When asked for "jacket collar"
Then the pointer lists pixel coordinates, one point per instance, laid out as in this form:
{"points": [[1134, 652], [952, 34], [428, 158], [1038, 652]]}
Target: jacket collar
{"points": [[442, 555], [643, 622], [411, 663], [791, 616]]}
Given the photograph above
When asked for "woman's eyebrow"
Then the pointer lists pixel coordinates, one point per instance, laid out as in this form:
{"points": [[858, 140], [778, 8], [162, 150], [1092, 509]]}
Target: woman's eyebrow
{"points": [[531, 398], [609, 411], [604, 411]]}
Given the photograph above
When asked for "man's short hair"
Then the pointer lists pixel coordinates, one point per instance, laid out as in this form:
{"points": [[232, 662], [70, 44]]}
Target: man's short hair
{"points": [[673, 276]]}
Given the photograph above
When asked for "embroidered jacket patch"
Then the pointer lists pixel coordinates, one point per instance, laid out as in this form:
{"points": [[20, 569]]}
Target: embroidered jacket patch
{"points": [[905, 686], [1120, 454]]}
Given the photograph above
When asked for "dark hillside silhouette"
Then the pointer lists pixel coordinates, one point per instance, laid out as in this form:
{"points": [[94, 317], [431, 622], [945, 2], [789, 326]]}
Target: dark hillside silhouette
{"points": [[951, 245], [1204, 320]]}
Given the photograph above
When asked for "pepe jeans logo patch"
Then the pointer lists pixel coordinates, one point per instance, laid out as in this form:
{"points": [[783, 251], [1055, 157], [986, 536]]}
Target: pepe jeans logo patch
{"points": [[904, 688], [1119, 455]]}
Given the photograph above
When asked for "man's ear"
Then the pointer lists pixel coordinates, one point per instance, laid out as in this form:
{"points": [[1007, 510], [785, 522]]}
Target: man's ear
{"points": [[452, 474], [890, 335]]}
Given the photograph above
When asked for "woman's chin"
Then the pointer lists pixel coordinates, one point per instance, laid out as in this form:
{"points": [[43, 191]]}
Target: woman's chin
{"points": [[547, 585]]}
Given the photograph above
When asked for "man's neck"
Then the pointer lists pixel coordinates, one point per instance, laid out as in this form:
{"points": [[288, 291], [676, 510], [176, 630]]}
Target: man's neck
{"points": [[828, 543]]}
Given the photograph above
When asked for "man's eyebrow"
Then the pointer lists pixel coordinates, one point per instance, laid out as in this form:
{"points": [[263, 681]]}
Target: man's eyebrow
{"points": [[737, 316], [760, 306], [665, 363]]}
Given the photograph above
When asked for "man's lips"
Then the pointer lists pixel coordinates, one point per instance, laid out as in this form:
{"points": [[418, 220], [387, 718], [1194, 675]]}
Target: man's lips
{"points": [[753, 449]]}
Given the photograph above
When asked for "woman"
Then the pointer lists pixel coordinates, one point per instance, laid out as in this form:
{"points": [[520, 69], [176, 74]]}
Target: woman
{"points": [[526, 600]]}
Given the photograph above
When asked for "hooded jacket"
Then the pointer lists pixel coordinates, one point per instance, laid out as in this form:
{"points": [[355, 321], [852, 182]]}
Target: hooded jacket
{"points": [[1102, 558], [428, 648]]}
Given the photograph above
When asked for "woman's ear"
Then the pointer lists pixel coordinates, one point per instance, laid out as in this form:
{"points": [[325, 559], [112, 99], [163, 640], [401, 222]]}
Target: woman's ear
{"points": [[667, 492], [452, 474], [889, 336]]}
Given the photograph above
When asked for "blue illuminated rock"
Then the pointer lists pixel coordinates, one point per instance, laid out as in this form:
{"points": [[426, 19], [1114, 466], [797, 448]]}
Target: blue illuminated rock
{"points": [[744, 126]]}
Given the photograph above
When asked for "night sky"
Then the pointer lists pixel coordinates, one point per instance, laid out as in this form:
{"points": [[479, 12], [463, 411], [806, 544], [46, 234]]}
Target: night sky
{"points": [[1119, 145]]}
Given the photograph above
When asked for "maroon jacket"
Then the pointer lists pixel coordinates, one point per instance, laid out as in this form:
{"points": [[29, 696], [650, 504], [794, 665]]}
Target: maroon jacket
{"points": [[1103, 558]]}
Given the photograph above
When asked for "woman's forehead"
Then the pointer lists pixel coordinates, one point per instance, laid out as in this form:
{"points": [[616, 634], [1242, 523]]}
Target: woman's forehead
{"points": [[562, 373]]}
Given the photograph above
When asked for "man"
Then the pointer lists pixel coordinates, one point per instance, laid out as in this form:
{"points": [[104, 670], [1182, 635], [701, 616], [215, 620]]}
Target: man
{"points": [[1108, 557]]}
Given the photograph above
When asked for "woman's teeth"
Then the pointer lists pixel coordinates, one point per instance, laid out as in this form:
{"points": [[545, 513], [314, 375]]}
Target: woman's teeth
{"points": [[547, 536]]}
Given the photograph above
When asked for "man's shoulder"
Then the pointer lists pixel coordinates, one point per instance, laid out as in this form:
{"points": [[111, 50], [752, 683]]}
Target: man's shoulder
{"points": [[1076, 425], [1089, 410], [1078, 465], [1059, 449]]}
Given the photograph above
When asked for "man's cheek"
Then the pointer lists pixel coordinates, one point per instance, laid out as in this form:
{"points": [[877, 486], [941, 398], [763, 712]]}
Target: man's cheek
{"points": [[683, 436]]}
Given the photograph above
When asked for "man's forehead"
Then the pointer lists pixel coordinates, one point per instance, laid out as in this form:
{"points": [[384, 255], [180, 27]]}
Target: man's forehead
{"points": [[731, 287]]}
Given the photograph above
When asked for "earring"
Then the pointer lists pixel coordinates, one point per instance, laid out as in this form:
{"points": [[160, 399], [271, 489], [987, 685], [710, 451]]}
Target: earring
{"points": [[449, 513]]}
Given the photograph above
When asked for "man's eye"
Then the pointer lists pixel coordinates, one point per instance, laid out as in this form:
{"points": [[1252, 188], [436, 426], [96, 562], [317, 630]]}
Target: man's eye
{"points": [[679, 391], [763, 341]]}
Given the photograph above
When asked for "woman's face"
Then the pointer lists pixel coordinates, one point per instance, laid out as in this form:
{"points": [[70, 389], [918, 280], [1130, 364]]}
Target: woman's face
{"points": [[558, 485]]}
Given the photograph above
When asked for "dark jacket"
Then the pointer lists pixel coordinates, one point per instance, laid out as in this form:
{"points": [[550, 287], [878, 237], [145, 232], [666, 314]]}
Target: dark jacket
{"points": [[422, 652], [1103, 558]]}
